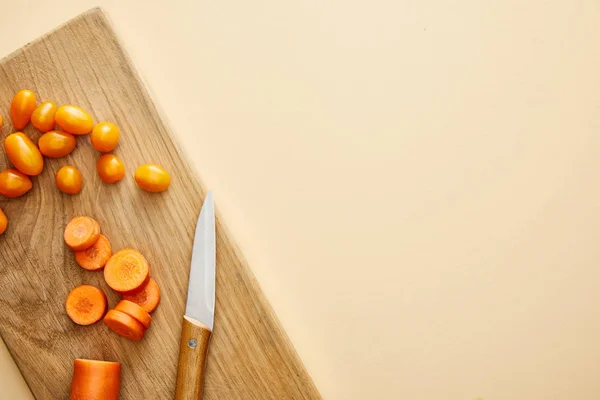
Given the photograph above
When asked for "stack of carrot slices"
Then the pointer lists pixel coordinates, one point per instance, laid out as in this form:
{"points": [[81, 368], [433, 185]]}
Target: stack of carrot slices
{"points": [[126, 272]]}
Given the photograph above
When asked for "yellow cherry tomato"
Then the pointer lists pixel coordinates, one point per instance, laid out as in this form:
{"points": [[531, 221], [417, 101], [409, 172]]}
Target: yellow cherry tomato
{"points": [[3, 222], [105, 136], [24, 154], [14, 183], [110, 168], [68, 180], [21, 108], [43, 116], [152, 178], [56, 144], [74, 120]]}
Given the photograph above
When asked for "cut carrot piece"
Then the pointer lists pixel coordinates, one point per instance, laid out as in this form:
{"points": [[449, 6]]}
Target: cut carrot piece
{"points": [[147, 297], [81, 233], [126, 270], [135, 311], [124, 325], [95, 257], [86, 304], [95, 380]]}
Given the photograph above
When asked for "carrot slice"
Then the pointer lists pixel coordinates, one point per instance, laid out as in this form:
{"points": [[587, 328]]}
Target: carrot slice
{"points": [[95, 380], [135, 311], [126, 270], [81, 233], [124, 325], [86, 304], [147, 297], [95, 257]]}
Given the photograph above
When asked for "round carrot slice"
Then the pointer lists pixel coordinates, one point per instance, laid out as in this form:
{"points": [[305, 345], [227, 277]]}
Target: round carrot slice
{"points": [[124, 325], [95, 257], [81, 233], [126, 270], [95, 380], [86, 304], [135, 311], [147, 297]]}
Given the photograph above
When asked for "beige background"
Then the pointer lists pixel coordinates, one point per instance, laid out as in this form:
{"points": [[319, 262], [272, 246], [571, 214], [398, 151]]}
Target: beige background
{"points": [[416, 184]]}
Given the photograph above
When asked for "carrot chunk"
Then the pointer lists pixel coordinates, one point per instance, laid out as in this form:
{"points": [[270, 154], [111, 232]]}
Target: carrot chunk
{"points": [[81, 233], [135, 311], [95, 257], [124, 325], [86, 304], [95, 380], [147, 297], [126, 270]]}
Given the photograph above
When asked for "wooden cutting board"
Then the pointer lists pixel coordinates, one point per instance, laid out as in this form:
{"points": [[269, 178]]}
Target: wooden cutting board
{"points": [[251, 357]]}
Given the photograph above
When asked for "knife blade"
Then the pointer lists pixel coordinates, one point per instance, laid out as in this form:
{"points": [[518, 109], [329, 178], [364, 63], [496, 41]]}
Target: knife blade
{"points": [[198, 321]]}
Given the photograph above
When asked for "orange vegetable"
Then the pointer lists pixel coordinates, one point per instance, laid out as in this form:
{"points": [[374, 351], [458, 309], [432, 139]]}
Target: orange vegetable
{"points": [[81, 233], [105, 136], [110, 168], [86, 304], [95, 380], [147, 297], [124, 325], [24, 154], [3, 222], [43, 116], [68, 180], [74, 120], [14, 183], [126, 270], [21, 108], [95, 257], [152, 178], [56, 144], [135, 311]]}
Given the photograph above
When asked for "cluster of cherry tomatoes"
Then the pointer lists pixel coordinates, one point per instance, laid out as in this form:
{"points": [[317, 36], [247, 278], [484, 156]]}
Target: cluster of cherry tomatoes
{"points": [[28, 158]]}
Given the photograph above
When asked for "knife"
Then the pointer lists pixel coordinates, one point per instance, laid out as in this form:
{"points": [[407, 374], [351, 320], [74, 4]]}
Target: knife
{"points": [[199, 315]]}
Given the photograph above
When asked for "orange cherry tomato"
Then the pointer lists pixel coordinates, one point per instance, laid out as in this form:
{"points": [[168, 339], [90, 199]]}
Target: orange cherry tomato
{"points": [[68, 180], [74, 120], [110, 168], [21, 108], [24, 154], [43, 116], [152, 178], [56, 144], [14, 183], [105, 136], [3, 222]]}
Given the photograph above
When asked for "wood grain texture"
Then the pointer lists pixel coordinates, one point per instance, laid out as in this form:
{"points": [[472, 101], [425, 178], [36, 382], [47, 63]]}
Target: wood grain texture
{"points": [[193, 348], [83, 63]]}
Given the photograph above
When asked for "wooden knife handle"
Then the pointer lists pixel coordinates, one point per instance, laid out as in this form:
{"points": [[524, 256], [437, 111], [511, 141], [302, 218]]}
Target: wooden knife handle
{"points": [[192, 359]]}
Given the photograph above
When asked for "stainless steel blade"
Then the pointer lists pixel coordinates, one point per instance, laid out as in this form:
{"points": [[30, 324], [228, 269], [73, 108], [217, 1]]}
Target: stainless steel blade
{"points": [[201, 290]]}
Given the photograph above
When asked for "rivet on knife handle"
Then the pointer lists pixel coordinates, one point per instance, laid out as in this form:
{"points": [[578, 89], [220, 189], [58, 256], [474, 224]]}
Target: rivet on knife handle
{"points": [[193, 350]]}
